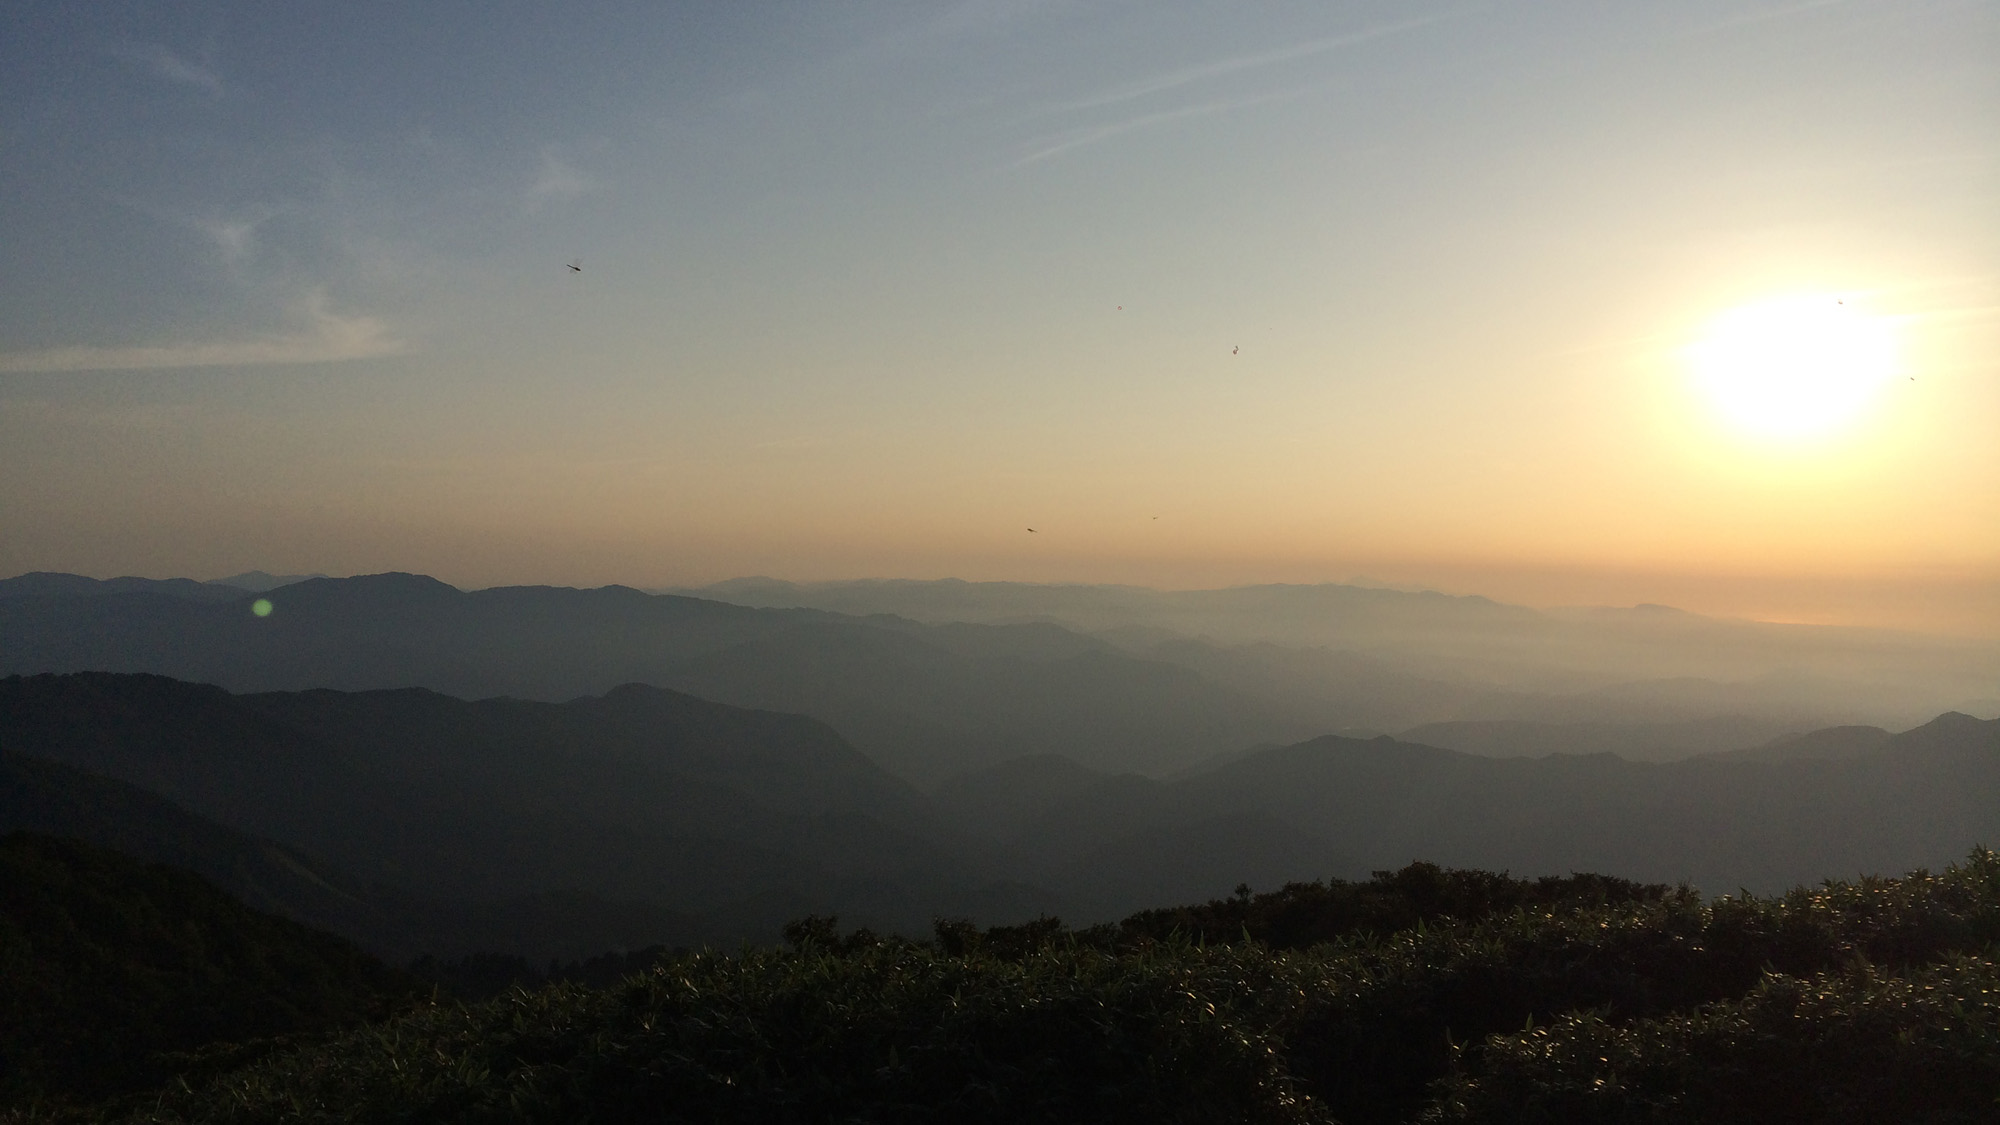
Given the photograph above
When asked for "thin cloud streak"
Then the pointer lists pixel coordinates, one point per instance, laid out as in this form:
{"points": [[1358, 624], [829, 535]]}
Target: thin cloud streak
{"points": [[1245, 62], [234, 235], [327, 337], [1079, 138], [165, 64]]}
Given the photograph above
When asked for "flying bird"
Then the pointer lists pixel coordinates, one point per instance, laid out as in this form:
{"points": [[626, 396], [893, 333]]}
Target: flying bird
{"points": [[1032, 531], [1232, 351], [576, 267]]}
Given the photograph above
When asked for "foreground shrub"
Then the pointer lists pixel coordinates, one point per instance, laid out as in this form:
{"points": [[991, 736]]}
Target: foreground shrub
{"points": [[1633, 1011], [895, 1032], [1300, 915], [1855, 1046], [1370, 1049]]}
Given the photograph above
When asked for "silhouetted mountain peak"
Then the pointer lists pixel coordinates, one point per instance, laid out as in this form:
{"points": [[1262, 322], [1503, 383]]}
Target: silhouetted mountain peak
{"points": [[1952, 732], [261, 581], [395, 583], [1957, 722], [636, 693], [54, 584], [105, 691]]}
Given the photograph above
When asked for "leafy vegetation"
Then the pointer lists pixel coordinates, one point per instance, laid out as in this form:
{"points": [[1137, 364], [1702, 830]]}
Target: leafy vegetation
{"points": [[1858, 1044], [1305, 914], [1567, 1000], [482, 976]]}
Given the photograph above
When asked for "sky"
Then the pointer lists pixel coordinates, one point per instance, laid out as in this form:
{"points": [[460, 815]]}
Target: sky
{"points": [[1487, 297]]}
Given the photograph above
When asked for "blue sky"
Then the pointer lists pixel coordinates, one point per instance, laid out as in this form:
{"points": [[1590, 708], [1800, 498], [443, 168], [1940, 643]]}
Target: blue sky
{"points": [[1402, 286]]}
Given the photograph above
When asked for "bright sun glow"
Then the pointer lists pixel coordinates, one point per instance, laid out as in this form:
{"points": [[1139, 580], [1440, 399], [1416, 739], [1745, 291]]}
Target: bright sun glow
{"points": [[1793, 368]]}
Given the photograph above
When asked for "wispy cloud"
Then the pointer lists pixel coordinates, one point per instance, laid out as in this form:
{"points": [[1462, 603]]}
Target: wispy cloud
{"points": [[1222, 67], [1078, 138], [234, 234], [1082, 136], [164, 63], [557, 181], [235, 237], [322, 336]]}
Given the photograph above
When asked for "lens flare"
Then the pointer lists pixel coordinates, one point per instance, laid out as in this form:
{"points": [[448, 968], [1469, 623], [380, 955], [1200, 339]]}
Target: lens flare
{"points": [[261, 607]]}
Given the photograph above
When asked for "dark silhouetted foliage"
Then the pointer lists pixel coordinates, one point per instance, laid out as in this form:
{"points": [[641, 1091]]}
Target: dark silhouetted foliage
{"points": [[1864, 1001], [482, 976], [1304, 914], [1855, 1045]]}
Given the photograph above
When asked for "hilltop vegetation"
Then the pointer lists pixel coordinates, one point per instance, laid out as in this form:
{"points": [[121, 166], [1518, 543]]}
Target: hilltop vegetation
{"points": [[1582, 1000]]}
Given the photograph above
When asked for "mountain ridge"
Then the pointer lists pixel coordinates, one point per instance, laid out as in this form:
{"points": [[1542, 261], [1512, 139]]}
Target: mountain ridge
{"points": [[741, 818]]}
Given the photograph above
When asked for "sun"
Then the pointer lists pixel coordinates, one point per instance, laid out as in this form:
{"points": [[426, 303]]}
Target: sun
{"points": [[1793, 368]]}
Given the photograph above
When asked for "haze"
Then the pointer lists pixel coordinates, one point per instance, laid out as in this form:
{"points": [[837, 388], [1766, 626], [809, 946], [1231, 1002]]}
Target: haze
{"points": [[1206, 295]]}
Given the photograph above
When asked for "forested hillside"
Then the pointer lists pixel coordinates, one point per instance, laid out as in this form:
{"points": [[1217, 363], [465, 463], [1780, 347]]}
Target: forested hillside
{"points": [[640, 817], [109, 967]]}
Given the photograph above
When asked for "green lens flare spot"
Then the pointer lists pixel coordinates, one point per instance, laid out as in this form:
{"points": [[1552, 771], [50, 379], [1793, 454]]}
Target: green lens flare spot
{"points": [[261, 607]]}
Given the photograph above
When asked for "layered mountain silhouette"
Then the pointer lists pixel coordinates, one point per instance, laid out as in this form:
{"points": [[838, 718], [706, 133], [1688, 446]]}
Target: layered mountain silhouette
{"points": [[1639, 741], [409, 819], [43, 796], [706, 822], [1830, 744], [50, 584], [1427, 656], [1840, 802], [558, 772], [924, 701]]}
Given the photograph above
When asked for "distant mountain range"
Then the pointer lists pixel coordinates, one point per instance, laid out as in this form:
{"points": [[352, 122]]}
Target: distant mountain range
{"points": [[635, 769], [1839, 802], [1636, 741], [406, 819], [258, 581], [707, 822], [44, 583], [925, 701], [1643, 664]]}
